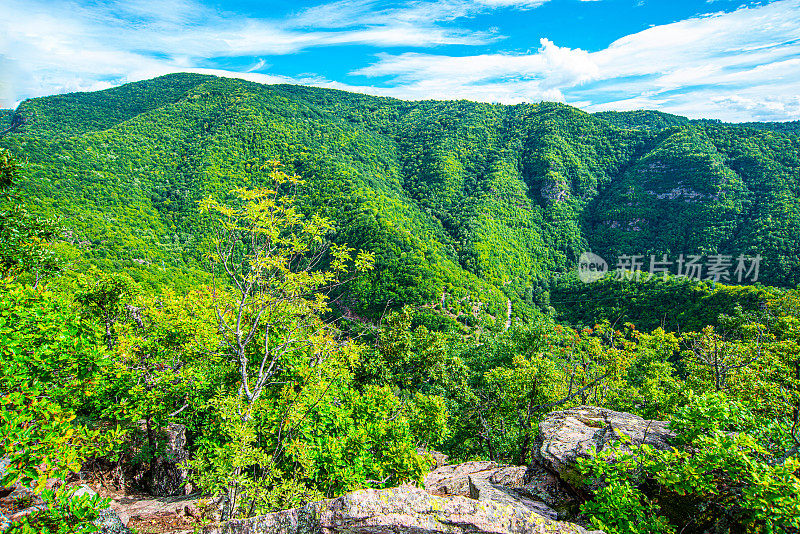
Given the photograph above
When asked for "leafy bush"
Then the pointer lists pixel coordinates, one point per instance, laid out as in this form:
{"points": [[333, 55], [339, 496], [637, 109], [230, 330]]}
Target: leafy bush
{"points": [[63, 513]]}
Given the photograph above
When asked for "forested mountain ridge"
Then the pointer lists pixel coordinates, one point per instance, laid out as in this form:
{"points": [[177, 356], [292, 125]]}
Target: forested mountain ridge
{"points": [[476, 201]]}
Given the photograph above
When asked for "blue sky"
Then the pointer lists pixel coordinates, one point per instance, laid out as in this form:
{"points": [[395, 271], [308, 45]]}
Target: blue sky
{"points": [[718, 58]]}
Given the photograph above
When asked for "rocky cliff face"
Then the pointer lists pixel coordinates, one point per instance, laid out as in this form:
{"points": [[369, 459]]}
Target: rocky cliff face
{"points": [[472, 497], [395, 510]]}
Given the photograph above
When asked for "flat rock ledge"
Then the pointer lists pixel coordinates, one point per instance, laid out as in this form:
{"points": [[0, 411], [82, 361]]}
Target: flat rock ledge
{"points": [[405, 509], [482, 489]]}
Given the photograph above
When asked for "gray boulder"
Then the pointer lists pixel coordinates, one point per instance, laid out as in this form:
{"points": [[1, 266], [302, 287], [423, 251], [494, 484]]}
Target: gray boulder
{"points": [[487, 481], [136, 508], [569, 434], [395, 510], [110, 523], [167, 476], [512, 476], [543, 485]]}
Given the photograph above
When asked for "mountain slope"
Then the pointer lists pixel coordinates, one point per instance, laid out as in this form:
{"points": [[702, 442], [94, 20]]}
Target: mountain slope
{"points": [[464, 203]]}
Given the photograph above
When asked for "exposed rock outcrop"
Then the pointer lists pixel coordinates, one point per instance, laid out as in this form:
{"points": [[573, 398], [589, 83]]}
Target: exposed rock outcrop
{"points": [[110, 523], [167, 476], [396, 510], [138, 508], [569, 434], [454, 479], [512, 476], [487, 481], [543, 485]]}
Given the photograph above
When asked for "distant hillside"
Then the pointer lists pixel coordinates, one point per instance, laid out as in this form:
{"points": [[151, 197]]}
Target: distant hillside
{"points": [[78, 113], [792, 127], [642, 119], [657, 120], [6, 115], [476, 202]]}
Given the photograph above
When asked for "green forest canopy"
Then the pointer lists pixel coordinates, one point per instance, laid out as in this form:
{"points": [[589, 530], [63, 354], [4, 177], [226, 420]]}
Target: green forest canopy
{"points": [[463, 203]]}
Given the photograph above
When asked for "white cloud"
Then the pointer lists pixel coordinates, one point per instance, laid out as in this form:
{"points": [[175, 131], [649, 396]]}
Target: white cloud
{"points": [[569, 66], [705, 66], [735, 66], [490, 77], [350, 13]]}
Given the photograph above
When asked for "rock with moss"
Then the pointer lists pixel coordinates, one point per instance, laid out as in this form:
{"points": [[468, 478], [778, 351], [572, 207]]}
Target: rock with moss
{"points": [[165, 475], [566, 435]]}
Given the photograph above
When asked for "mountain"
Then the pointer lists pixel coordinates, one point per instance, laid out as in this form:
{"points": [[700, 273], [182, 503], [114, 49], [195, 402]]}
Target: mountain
{"points": [[465, 204]]}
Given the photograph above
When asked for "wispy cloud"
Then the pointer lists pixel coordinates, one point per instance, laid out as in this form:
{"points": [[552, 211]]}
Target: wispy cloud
{"points": [[499, 77], [71, 45], [707, 65], [349, 13]]}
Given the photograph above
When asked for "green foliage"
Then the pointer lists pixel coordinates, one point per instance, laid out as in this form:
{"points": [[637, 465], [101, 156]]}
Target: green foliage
{"points": [[367, 441], [519, 376], [106, 299], [675, 304], [64, 513], [618, 505], [244, 471], [619, 508], [406, 357], [428, 419], [8, 170], [45, 340], [41, 442], [37, 437], [294, 408]]}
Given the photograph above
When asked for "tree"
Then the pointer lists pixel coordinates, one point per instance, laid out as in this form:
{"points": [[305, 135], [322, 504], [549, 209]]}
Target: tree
{"points": [[270, 255], [272, 269], [712, 357], [107, 299], [8, 170]]}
